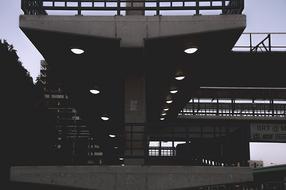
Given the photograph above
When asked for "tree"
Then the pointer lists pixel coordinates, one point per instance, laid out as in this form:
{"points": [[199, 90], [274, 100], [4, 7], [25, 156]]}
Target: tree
{"points": [[27, 130]]}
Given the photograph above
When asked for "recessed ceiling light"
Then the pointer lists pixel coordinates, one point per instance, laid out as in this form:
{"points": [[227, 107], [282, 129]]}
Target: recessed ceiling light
{"points": [[94, 91], [121, 158], [173, 91], [163, 114], [112, 135], [169, 101], [116, 147], [191, 50], [181, 77], [105, 118], [77, 51], [166, 109], [162, 118]]}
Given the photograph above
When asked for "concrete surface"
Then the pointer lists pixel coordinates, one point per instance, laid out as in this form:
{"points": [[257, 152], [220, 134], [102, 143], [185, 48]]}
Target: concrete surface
{"points": [[130, 177], [133, 30]]}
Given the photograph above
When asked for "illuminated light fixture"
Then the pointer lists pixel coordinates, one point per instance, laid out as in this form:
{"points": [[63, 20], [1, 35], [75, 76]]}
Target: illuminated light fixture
{"points": [[169, 101], [181, 77], [121, 158], [94, 91], [122, 165], [112, 135], [116, 147], [162, 118], [166, 109], [77, 51], [173, 90], [191, 50], [163, 114], [104, 118]]}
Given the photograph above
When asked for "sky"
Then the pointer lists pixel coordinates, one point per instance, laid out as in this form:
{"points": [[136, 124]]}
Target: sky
{"points": [[262, 16]]}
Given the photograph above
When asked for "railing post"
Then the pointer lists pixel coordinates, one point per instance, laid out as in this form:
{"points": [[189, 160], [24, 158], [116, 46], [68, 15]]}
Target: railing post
{"points": [[250, 40], [269, 42], [157, 7], [79, 7], [23, 6], [223, 7], [118, 7], [241, 5], [197, 7]]}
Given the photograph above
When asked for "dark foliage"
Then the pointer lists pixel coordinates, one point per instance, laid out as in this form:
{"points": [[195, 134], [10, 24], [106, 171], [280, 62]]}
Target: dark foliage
{"points": [[26, 128]]}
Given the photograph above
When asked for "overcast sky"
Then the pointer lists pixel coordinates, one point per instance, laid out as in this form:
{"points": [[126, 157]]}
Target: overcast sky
{"points": [[262, 16]]}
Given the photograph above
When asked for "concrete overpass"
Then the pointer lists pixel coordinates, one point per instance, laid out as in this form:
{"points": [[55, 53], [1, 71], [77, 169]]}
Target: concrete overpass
{"points": [[134, 59]]}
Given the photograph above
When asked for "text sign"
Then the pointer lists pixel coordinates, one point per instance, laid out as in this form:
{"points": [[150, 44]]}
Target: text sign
{"points": [[268, 132]]}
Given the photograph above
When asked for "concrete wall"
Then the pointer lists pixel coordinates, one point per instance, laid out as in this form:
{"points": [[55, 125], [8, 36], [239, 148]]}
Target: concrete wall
{"points": [[130, 177], [132, 30]]}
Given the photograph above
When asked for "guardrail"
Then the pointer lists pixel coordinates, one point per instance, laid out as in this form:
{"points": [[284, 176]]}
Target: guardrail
{"points": [[41, 7], [261, 42]]}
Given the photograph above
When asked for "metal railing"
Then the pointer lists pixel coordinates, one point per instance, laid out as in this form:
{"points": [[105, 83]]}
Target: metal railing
{"points": [[41, 7], [261, 42], [235, 108]]}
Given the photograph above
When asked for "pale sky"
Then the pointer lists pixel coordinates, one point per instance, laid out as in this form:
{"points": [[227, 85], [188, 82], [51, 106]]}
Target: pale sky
{"points": [[262, 16]]}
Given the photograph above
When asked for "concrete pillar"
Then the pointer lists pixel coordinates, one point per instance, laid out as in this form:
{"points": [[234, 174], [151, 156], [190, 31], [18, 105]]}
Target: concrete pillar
{"points": [[135, 118], [135, 109]]}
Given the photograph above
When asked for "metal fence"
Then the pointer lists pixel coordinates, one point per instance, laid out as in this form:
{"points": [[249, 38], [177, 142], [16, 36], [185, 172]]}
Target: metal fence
{"points": [[234, 108], [261, 42], [41, 7]]}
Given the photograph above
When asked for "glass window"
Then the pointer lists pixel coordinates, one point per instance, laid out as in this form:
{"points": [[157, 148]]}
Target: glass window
{"points": [[243, 101], [154, 144], [166, 144]]}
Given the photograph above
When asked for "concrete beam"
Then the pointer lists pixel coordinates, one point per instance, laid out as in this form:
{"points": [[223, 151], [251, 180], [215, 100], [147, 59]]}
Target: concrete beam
{"points": [[130, 177], [133, 30]]}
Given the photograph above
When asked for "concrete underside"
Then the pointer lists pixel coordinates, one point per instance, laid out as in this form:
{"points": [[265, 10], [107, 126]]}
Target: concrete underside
{"points": [[130, 177], [133, 31]]}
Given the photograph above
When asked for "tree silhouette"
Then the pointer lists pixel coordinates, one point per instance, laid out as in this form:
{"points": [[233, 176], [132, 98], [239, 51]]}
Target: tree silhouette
{"points": [[27, 129]]}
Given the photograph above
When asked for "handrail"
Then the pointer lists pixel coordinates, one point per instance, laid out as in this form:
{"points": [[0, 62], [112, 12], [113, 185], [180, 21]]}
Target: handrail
{"points": [[40, 7], [261, 42]]}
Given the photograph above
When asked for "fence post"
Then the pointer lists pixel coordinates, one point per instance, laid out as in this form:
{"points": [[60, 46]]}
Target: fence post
{"points": [[241, 5], [157, 8], [269, 42], [223, 7], [118, 7], [197, 7], [79, 7], [250, 40]]}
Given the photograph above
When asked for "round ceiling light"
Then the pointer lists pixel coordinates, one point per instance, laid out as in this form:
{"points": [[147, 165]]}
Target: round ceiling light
{"points": [[166, 109], [169, 101], [104, 118], [191, 50], [180, 77], [162, 118], [121, 158], [112, 135], [163, 114], [94, 91], [77, 51], [173, 91]]}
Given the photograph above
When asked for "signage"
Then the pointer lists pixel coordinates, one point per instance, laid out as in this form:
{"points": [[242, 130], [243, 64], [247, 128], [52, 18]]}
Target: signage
{"points": [[268, 132]]}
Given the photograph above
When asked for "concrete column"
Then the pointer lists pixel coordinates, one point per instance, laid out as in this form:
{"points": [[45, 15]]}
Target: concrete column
{"points": [[135, 118], [135, 108]]}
